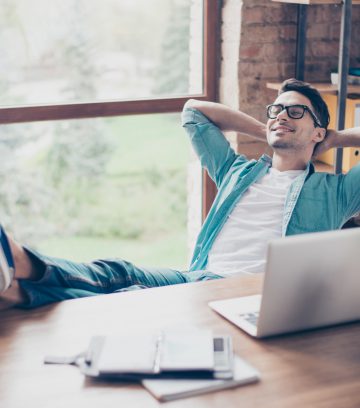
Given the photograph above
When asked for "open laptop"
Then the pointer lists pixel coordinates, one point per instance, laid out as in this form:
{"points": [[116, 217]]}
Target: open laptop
{"points": [[311, 280]]}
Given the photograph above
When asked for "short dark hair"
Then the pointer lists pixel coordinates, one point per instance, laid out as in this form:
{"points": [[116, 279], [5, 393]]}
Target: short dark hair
{"points": [[318, 103]]}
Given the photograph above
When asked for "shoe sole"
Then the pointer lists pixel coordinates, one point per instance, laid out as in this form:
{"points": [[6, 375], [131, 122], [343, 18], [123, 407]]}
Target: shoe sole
{"points": [[6, 263]]}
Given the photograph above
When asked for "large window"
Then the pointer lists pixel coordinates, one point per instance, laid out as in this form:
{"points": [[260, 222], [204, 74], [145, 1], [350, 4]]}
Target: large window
{"points": [[84, 58], [99, 50], [98, 187], [115, 186]]}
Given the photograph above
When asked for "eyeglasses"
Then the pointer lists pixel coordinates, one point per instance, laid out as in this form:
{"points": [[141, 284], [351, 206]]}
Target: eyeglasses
{"points": [[293, 111]]}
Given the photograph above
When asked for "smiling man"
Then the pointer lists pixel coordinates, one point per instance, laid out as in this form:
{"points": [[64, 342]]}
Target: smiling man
{"points": [[257, 200]]}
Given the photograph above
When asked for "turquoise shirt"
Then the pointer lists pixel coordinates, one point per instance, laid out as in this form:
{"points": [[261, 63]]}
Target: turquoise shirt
{"points": [[315, 201]]}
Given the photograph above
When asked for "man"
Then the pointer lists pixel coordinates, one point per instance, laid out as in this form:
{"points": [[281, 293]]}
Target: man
{"points": [[256, 201]]}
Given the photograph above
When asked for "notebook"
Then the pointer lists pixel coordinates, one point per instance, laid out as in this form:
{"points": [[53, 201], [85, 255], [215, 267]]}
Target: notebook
{"points": [[170, 389], [171, 354]]}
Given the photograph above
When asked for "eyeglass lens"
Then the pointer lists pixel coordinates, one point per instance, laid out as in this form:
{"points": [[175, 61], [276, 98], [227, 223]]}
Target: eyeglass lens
{"points": [[294, 111]]}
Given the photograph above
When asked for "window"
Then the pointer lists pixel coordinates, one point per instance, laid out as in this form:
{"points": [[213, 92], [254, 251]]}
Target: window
{"points": [[49, 72], [75, 59], [100, 51], [98, 188]]}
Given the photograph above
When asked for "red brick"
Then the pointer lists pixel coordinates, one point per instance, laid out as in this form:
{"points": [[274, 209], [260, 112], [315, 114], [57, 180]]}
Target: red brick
{"points": [[253, 15], [323, 14], [320, 31], [319, 71], [249, 69], [288, 32], [270, 70], [323, 48], [251, 51], [280, 52], [287, 14], [262, 34], [334, 31], [286, 69]]}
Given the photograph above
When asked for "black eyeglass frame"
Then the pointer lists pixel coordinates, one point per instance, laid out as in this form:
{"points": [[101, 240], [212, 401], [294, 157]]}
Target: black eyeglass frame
{"points": [[305, 108]]}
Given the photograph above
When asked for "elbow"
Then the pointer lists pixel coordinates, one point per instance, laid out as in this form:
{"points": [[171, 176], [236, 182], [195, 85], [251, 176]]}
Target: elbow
{"points": [[192, 103]]}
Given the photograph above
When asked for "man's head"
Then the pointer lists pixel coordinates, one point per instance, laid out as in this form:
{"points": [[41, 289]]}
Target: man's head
{"points": [[319, 106], [298, 118]]}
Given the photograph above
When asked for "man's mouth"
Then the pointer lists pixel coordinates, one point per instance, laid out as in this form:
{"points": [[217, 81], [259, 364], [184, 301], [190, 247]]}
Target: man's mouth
{"points": [[282, 129]]}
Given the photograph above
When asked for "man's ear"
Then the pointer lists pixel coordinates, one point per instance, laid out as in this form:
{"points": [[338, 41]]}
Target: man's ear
{"points": [[319, 134]]}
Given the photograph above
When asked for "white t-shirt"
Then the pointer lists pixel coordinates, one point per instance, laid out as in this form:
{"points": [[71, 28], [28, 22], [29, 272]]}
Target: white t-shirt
{"points": [[257, 218]]}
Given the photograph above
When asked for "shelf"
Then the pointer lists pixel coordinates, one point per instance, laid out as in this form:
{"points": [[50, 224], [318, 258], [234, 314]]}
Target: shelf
{"points": [[310, 2], [322, 87]]}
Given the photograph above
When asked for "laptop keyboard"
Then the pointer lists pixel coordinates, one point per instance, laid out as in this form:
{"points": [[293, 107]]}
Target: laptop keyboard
{"points": [[251, 317]]}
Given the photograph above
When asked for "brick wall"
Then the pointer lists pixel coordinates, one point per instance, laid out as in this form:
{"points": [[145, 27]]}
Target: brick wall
{"points": [[266, 52]]}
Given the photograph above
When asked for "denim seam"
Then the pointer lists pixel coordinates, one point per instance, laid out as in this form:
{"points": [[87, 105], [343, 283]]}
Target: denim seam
{"points": [[70, 278]]}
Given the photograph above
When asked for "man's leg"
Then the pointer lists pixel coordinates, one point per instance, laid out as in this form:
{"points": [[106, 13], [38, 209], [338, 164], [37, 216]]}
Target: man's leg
{"points": [[40, 280]]}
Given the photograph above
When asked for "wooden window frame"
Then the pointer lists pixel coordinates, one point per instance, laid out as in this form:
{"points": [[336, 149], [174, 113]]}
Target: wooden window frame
{"points": [[64, 111]]}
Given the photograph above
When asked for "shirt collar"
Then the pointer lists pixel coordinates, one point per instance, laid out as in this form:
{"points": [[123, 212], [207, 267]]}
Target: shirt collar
{"points": [[310, 168]]}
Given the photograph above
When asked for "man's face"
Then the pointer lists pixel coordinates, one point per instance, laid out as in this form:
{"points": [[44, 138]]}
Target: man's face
{"points": [[285, 133]]}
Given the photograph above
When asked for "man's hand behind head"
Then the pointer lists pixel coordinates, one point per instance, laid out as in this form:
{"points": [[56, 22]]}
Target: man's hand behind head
{"points": [[328, 143]]}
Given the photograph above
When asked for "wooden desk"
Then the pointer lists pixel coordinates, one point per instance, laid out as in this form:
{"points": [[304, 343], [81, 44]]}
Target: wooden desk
{"points": [[314, 369]]}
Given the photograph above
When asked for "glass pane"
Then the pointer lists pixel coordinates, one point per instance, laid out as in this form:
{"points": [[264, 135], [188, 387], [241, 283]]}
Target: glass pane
{"points": [[85, 50], [85, 189]]}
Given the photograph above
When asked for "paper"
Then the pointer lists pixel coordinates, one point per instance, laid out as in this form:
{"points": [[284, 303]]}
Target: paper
{"points": [[191, 350], [130, 354]]}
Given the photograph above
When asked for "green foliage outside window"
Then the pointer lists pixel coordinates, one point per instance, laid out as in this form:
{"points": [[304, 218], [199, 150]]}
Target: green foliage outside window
{"points": [[101, 183]]}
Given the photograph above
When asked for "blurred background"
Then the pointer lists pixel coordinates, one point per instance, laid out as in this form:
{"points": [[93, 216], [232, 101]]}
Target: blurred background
{"points": [[104, 187]]}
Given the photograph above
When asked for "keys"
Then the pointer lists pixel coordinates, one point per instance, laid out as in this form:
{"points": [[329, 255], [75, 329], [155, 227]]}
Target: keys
{"points": [[251, 317]]}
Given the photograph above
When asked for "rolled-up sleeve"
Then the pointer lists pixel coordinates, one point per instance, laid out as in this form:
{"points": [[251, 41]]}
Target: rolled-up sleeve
{"points": [[209, 143]]}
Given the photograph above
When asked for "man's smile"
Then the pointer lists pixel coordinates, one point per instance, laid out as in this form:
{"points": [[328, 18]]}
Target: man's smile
{"points": [[281, 129]]}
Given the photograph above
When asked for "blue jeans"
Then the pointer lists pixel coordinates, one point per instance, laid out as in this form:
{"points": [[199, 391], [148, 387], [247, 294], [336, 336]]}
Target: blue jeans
{"points": [[64, 279]]}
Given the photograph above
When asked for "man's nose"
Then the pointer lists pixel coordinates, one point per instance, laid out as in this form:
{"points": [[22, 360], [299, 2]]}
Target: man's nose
{"points": [[283, 115]]}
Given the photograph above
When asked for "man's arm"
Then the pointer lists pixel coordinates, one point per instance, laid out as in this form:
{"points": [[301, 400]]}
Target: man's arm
{"points": [[228, 119], [342, 138], [349, 192]]}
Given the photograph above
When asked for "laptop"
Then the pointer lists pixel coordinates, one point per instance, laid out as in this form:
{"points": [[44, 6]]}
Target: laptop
{"points": [[311, 280]]}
